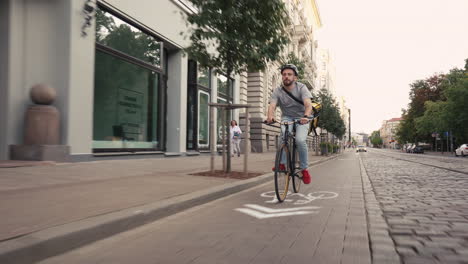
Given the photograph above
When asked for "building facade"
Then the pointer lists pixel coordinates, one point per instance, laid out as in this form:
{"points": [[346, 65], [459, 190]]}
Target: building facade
{"points": [[344, 113], [123, 82], [306, 21], [388, 132], [124, 85]]}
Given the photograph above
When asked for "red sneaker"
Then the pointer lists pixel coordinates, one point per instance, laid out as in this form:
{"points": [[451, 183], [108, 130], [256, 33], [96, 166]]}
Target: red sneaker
{"points": [[281, 167], [305, 176]]}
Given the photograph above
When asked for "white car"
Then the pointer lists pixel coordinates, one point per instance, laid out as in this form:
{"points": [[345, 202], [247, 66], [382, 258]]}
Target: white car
{"points": [[361, 148], [462, 150]]}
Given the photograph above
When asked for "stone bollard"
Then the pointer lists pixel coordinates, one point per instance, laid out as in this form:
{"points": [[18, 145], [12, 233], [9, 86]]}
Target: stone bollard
{"points": [[41, 129]]}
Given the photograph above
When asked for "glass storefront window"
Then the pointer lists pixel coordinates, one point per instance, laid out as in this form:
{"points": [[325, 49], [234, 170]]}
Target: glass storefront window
{"points": [[223, 84], [127, 88], [203, 77], [219, 121], [125, 104], [203, 119], [122, 36]]}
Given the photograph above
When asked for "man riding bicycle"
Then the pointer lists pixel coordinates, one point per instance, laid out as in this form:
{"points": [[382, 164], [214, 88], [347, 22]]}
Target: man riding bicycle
{"points": [[293, 110]]}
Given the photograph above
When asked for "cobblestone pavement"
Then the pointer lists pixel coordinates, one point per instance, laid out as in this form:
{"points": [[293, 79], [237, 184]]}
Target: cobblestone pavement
{"points": [[424, 204]]}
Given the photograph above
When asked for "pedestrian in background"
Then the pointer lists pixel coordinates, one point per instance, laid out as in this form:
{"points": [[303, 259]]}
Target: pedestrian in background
{"points": [[235, 133]]}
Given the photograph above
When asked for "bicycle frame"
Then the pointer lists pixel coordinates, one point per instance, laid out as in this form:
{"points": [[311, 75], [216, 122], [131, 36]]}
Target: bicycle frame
{"points": [[289, 139]]}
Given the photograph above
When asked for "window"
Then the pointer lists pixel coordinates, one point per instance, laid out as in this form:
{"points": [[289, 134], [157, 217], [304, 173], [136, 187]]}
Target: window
{"points": [[198, 110], [225, 95], [127, 86], [223, 84], [204, 119], [116, 34], [227, 118]]}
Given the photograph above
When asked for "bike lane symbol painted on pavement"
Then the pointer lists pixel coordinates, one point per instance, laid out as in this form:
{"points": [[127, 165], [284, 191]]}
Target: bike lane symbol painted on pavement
{"points": [[261, 212], [299, 198]]}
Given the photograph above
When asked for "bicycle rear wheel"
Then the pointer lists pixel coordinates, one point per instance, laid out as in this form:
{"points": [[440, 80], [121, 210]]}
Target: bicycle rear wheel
{"points": [[281, 174], [296, 177]]}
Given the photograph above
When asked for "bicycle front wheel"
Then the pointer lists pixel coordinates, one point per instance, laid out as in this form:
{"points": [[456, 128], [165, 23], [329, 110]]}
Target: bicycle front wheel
{"points": [[296, 177], [282, 174]]}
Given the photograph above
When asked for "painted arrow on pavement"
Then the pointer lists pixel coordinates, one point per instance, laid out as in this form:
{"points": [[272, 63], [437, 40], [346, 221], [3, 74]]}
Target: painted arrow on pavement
{"points": [[261, 212]]}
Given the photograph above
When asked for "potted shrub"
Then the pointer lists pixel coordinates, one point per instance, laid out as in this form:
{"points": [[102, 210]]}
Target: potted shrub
{"points": [[324, 147]]}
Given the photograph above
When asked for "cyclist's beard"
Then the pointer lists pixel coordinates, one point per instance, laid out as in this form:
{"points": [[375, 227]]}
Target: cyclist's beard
{"points": [[287, 82]]}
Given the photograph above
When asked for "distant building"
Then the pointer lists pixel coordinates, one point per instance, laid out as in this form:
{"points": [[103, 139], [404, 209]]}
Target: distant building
{"points": [[360, 138], [326, 71], [388, 132], [344, 113]]}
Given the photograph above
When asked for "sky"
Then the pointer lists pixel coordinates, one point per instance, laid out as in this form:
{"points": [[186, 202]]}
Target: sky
{"points": [[380, 47]]}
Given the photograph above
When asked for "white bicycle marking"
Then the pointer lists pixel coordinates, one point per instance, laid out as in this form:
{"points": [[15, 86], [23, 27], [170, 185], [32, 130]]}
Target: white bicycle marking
{"points": [[261, 212], [270, 210], [300, 198]]}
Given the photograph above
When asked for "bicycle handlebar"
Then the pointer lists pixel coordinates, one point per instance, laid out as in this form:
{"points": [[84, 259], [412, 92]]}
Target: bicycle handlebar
{"points": [[296, 120]]}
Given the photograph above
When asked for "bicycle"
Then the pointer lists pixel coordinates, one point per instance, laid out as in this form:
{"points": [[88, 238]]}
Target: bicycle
{"points": [[291, 170]]}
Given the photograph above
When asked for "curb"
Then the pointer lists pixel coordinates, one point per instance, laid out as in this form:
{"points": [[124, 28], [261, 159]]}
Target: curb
{"points": [[381, 245], [56, 240]]}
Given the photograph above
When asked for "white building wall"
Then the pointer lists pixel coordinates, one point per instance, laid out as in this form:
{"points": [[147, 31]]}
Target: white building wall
{"points": [[163, 17], [177, 103], [43, 46]]}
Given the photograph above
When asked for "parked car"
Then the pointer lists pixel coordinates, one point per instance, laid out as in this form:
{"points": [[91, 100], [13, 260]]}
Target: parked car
{"points": [[361, 148], [406, 148], [410, 148], [418, 149], [462, 150]]}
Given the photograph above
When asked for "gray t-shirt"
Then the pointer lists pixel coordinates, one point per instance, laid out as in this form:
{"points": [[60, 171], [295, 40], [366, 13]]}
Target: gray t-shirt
{"points": [[289, 107]]}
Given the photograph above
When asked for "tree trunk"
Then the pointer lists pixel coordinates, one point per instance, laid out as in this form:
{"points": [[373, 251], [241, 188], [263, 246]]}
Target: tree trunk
{"points": [[228, 160]]}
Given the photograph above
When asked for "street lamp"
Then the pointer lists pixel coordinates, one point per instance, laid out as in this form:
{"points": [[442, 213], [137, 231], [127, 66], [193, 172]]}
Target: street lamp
{"points": [[349, 121]]}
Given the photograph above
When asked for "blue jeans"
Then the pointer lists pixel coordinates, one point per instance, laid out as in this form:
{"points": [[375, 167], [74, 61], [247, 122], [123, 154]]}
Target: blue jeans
{"points": [[301, 145]]}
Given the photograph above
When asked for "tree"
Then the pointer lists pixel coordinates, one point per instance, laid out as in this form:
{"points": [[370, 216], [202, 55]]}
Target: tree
{"points": [[430, 89], [243, 33], [449, 113], [375, 139], [454, 112], [330, 118], [406, 129]]}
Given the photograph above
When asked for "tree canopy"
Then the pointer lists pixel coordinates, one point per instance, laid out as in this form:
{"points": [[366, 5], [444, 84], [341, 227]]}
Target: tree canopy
{"points": [[437, 105], [234, 35], [330, 118], [237, 35], [375, 139]]}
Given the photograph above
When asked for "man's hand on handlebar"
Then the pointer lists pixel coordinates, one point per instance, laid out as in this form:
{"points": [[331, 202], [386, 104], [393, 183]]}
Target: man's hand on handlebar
{"points": [[304, 120], [270, 120]]}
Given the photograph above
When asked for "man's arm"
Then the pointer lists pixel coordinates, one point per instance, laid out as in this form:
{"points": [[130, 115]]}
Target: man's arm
{"points": [[308, 107], [308, 110], [271, 112]]}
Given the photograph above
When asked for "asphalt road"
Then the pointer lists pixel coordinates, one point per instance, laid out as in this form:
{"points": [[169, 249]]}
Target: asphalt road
{"points": [[324, 223]]}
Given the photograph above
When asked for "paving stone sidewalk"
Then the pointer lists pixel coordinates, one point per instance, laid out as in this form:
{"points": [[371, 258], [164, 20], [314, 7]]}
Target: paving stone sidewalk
{"points": [[55, 201]]}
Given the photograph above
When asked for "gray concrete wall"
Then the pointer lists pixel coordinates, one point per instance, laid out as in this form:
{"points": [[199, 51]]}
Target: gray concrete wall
{"points": [[78, 127], [4, 61], [16, 89], [177, 102], [44, 45]]}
